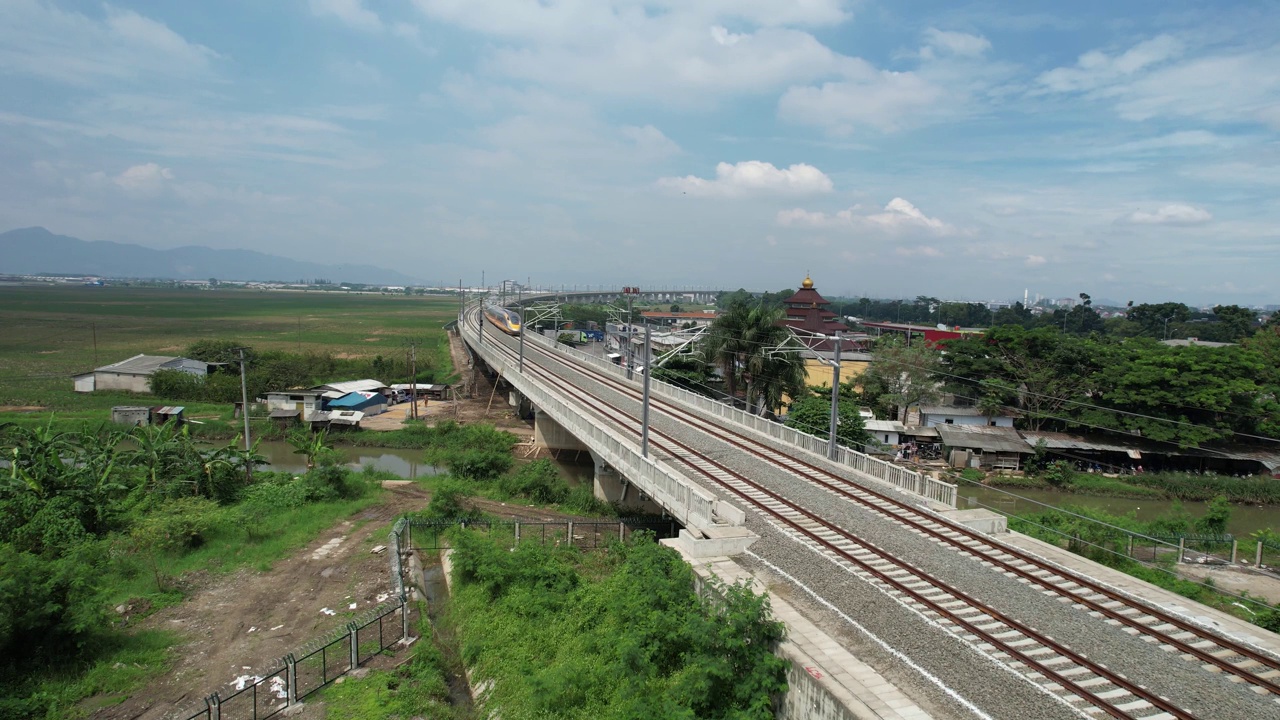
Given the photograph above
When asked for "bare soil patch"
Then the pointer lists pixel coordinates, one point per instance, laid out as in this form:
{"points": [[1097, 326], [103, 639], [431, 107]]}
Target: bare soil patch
{"points": [[238, 624], [22, 408]]}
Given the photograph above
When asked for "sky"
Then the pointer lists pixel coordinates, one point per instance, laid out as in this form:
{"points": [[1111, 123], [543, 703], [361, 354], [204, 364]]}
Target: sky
{"points": [[959, 150]]}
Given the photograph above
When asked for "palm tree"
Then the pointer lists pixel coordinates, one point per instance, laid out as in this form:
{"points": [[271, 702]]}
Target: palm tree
{"points": [[774, 366], [725, 346]]}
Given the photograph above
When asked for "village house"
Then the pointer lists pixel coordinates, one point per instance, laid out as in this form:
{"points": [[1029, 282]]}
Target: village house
{"points": [[134, 374]]}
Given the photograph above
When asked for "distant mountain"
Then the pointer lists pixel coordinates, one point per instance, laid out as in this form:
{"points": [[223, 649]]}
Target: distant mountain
{"points": [[36, 251]]}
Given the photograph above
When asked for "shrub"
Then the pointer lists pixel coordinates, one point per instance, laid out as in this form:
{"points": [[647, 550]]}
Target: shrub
{"points": [[446, 502], [538, 481], [47, 604], [1058, 473]]}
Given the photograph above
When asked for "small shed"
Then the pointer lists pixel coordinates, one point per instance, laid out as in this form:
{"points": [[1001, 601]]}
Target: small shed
{"points": [[884, 432], [285, 417], [368, 403], [339, 419], [168, 414], [999, 448], [423, 390], [131, 415]]}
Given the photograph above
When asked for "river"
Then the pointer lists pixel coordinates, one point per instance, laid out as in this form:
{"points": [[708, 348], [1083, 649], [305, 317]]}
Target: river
{"points": [[407, 464]]}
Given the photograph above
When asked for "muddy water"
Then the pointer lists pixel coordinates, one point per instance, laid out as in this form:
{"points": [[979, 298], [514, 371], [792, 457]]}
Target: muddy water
{"points": [[404, 463], [437, 592], [1244, 518]]}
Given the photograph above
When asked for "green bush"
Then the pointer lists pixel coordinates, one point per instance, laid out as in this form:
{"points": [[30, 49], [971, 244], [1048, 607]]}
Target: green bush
{"points": [[446, 502], [538, 481], [1058, 473], [47, 605]]}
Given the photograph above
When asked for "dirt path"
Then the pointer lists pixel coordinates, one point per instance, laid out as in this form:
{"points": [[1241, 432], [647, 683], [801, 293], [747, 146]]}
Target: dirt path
{"points": [[238, 624]]}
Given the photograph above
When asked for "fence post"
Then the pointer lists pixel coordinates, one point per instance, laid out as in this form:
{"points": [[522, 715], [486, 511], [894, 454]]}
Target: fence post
{"points": [[569, 540], [1129, 550], [621, 528], [1257, 561], [517, 532], [215, 703], [1235, 550], [1182, 548], [408, 532], [355, 645], [290, 680], [404, 618]]}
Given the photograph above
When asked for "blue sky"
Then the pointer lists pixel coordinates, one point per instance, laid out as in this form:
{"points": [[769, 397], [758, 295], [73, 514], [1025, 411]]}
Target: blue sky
{"points": [[1128, 150]]}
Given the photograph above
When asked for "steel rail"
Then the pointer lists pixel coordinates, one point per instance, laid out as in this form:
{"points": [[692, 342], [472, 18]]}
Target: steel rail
{"points": [[606, 411], [1182, 646]]}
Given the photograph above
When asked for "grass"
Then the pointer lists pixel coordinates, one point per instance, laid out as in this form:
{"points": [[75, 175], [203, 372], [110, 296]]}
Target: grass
{"points": [[417, 688], [48, 333], [1161, 486]]}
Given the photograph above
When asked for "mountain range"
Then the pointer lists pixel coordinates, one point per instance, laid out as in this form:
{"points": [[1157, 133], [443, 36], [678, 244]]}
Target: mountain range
{"points": [[36, 251]]}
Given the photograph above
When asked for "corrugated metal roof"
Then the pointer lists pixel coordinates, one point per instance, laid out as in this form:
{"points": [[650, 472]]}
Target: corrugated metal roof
{"points": [[138, 364], [284, 413], [956, 411], [983, 437], [883, 426], [350, 386], [170, 410]]}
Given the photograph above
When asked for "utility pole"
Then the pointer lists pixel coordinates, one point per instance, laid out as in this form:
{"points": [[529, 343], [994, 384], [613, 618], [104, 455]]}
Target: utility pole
{"points": [[644, 413], [244, 407], [835, 400], [521, 345], [413, 379], [462, 302], [95, 343], [630, 319]]}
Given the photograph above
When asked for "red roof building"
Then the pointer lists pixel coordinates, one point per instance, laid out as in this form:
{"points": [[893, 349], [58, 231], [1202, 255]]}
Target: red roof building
{"points": [[809, 319]]}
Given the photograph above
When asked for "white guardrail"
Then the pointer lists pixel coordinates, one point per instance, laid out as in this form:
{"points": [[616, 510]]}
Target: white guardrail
{"points": [[693, 506], [909, 480]]}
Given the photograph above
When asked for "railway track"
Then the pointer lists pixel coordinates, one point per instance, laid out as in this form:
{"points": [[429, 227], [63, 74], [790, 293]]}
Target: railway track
{"points": [[1050, 663]]}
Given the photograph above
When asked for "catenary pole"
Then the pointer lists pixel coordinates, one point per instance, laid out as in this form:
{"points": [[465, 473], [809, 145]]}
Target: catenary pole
{"points": [[644, 415], [630, 318], [835, 400]]}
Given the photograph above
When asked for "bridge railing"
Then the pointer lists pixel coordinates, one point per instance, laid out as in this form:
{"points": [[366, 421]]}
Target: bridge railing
{"points": [[909, 480], [687, 502]]}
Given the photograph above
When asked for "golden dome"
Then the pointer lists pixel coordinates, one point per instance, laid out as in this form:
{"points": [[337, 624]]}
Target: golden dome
{"points": [[807, 284]]}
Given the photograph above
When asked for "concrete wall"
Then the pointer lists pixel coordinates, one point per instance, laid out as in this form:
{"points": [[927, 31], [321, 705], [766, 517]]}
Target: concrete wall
{"points": [[611, 487], [119, 381], [932, 420], [550, 434], [806, 699]]}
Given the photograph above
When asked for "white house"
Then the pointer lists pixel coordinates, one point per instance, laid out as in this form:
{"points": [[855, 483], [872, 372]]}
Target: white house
{"points": [[293, 403], [134, 374], [884, 432], [935, 415]]}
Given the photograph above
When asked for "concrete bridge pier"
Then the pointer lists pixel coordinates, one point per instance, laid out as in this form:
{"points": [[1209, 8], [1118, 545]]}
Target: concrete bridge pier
{"points": [[611, 487], [523, 406]]}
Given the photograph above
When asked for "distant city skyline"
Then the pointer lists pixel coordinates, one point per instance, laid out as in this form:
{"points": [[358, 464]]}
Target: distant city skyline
{"points": [[1126, 150]]}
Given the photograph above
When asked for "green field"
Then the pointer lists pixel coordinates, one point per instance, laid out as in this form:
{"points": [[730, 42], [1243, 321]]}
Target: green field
{"points": [[47, 334]]}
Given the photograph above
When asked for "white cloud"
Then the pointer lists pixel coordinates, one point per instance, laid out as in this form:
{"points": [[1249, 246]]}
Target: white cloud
{"points": [[752, 177], [1095, 68], [1173, 214], [920, 251], [899, 216], [945, 42], [866, 97], [356, 72], [40, 40], [351, 12], [675, 52], [650, 141], [147, 178], [1035, 261]]}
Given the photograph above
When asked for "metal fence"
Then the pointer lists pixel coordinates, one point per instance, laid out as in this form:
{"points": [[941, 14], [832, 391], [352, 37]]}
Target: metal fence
{"points": [[292, 678], [583, 534]]}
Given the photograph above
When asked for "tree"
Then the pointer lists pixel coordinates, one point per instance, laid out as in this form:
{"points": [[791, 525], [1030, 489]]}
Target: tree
{"points": [[1233, 322], [1152, 319], [1189, 395], [724, 346], [1042, 372], [811, 413], [903, 375]]}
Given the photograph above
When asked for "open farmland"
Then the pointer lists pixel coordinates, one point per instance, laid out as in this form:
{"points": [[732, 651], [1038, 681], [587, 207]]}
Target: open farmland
{"points": [[47, 333]]}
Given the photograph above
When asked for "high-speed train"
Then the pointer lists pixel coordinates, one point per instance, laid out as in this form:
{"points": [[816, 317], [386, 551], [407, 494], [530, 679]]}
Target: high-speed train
{"points": [[507, 321]]}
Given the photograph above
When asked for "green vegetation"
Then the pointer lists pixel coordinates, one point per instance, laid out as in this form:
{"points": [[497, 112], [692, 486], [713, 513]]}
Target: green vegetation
{"points": [[811, 413], [1060, 476], [1103, 538], [88, 521], [417, 688], [48, 334], [556, 629]]}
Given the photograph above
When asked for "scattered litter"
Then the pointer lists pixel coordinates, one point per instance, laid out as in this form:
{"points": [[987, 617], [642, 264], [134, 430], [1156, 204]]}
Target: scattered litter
{"points": [[378, 549], [244, 681], [276, 628], [327, 611], [279, 688], [253, 628], [245, 667], [353, 606], [383, 596]]}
